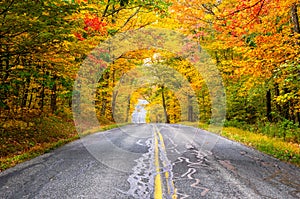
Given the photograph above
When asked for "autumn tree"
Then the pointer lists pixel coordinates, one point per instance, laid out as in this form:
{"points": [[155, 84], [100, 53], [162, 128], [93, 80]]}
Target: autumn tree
{"points": [[251, 45], [33, 56]]}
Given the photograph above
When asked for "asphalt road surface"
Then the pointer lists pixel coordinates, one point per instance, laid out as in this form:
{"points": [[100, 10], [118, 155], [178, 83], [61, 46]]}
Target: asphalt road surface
{"points": [[152, 161]]}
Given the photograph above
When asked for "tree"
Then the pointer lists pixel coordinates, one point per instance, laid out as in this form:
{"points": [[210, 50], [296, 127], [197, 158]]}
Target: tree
{"points": [[32, 37], [250, 43]]}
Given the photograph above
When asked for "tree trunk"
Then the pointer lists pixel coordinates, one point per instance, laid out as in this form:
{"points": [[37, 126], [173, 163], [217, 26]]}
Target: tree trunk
{"points": [[204, 108], [128, 109], [30, 99], [42, 98], [113, 104], [103, 107], [295, 18], [164, 105], [217, 58], [190, 109], [286, 106], [53, 97], [26, 91], [269, 106], [7, 66]]}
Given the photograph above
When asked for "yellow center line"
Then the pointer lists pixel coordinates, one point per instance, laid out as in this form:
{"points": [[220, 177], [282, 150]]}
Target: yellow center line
{"points": [[157, 182]]}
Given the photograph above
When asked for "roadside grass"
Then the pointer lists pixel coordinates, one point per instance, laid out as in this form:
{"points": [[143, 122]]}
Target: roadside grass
{"points": [[23, 142], [276, 147]]}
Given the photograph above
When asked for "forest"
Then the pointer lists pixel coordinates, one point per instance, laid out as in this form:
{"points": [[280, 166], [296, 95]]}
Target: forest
{"points": [[51, 51]]}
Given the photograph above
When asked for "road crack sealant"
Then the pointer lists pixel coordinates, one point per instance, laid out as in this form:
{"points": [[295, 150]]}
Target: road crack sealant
{"points": [[142, 180], [201, 161]]}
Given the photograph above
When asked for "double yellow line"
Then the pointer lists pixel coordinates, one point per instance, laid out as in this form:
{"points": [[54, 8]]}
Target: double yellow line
{"points": [[158, 186], [158, 193]]}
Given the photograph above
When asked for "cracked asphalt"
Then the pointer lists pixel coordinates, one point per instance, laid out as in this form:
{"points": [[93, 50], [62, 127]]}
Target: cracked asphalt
{"points": [[152, 161]]}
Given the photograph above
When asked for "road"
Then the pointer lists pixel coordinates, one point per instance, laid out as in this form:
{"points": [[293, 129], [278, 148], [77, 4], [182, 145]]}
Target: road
{"points": [[152, 161]]}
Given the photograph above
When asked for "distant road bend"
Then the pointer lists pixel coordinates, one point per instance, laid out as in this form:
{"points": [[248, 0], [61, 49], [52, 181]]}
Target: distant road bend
{"points": [[152, 161]]}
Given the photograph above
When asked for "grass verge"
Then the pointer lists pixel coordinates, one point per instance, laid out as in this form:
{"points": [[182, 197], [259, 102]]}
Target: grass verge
{"points": [[276, 147], [21, 143]]}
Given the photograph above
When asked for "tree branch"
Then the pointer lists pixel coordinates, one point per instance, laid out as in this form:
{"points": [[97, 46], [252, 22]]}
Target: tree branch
{"points": [[245, 8], [6, 9], [129, 18], [106, 9]]}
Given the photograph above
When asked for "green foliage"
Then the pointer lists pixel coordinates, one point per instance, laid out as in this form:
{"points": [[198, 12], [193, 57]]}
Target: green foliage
{"points": [[235, 123], [286, 130], [250, 39]]}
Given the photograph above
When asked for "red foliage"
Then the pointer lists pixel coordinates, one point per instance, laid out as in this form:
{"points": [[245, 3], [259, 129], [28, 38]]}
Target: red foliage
{"points": [[94, 24], [79, 36]]}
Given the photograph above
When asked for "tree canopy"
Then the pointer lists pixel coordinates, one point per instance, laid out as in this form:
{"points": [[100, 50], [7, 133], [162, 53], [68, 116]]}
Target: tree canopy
{"points": [[253, 43]]}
